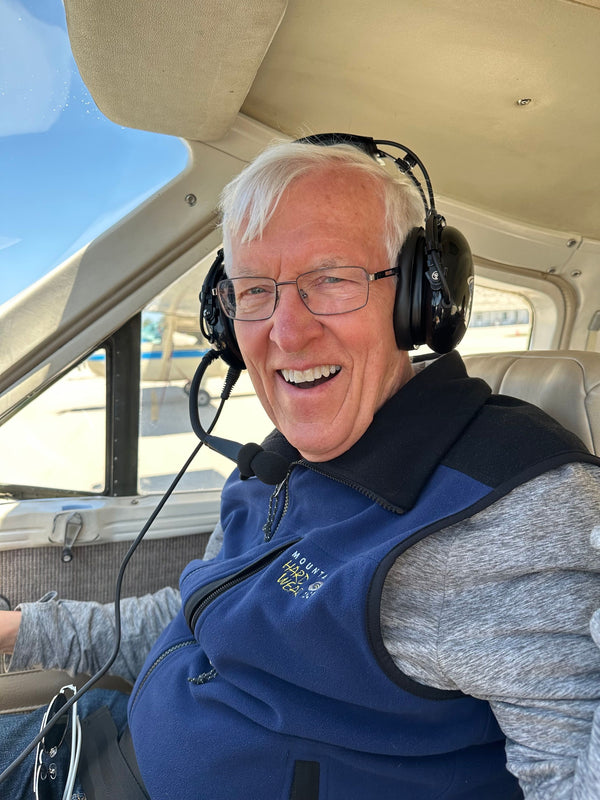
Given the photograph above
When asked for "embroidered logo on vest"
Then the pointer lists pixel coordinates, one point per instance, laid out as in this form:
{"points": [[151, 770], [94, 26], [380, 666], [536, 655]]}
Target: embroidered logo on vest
{"points": [[301, 576]]}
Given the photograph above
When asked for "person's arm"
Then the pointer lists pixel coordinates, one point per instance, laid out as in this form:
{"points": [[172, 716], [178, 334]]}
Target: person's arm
{"points": [[9, 629], [499, 607], [214, 543], [78, 636]]}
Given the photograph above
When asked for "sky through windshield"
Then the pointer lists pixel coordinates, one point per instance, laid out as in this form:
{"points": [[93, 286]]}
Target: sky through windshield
{"points": [[66, 172]]}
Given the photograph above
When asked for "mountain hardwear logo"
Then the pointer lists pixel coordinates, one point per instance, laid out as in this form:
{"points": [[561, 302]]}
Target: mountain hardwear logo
{"points": [[301, 576]]}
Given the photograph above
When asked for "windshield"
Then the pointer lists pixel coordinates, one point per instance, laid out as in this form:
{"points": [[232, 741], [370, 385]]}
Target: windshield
{"points": [[67, 172]]}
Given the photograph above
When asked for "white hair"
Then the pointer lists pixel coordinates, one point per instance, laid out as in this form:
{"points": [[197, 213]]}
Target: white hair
{"points": [[249, 200]]}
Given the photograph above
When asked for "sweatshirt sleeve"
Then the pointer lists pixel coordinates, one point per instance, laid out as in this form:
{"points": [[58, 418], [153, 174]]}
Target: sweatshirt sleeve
{"points": [[79, 636], [504, 607]]}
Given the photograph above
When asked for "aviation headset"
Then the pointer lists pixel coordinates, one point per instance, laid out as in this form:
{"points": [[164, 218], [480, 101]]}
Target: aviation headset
{"points": [[435, 283]]}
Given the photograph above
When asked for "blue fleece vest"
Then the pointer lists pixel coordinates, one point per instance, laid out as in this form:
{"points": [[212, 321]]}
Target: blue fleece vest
{"points": [[273, 681], [278, 685]]}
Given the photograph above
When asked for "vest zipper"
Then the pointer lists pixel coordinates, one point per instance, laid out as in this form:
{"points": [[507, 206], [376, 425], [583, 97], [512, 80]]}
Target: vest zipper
{"points": [[204, 596], [158, 661], [273, 520], [199, 600]]}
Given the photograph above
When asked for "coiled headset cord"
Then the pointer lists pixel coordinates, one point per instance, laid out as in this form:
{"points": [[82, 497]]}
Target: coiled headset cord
{"points": [[227, 388]]}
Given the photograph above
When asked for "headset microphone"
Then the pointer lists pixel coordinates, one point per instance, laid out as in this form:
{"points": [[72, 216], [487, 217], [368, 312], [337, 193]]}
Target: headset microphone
{"points": [[252, 460]]}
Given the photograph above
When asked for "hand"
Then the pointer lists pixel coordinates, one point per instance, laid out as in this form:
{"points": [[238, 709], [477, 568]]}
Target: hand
{"points": [[9, 628]]}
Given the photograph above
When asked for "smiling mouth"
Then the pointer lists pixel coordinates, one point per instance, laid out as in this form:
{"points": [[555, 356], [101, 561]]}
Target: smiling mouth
{"points": [[310, 378]]}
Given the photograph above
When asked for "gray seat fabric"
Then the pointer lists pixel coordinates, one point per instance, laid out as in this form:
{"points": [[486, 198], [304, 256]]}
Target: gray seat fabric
{"points": [[564, 383]]}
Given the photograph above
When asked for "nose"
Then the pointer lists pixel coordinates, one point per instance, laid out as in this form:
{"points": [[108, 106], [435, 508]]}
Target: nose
{"points": [[292, 324]]}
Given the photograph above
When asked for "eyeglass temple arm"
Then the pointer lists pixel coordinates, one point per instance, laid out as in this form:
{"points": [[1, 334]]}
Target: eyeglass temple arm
{"points": [[384, 273]]}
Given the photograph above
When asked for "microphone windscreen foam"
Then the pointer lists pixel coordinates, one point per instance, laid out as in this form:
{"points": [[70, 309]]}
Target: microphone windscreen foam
{"points": [[244, 458], [270, 467], [267, 466]]}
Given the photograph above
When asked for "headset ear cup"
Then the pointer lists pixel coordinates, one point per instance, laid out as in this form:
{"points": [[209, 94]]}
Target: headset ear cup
{"points": [[410, 292], [447, 317], [422, 314], [216, 327]]}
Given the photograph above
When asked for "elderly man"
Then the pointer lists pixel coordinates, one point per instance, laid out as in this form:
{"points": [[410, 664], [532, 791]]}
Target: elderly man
{"points": [[407, 612]]}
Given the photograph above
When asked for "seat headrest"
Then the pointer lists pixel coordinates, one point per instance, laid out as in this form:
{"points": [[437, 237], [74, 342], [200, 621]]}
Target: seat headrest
{"points": [[564, 383]]}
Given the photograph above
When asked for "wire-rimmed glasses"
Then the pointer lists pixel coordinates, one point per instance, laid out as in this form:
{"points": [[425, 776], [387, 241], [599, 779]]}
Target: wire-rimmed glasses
{"points": [[66, 729], [325, 291]]}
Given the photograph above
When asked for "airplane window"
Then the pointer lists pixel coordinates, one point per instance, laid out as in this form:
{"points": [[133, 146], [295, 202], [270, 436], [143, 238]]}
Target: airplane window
{"points": [[57, 441], [171, 349], [55, 145], [500, 321]]}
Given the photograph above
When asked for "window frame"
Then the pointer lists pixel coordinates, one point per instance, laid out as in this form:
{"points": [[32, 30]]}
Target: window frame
{"points": [[123, 352]]}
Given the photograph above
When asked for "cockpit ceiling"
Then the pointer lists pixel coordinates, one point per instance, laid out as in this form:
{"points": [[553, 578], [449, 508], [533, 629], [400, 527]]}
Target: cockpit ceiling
{"points": [[182, 68], [501, 100]]}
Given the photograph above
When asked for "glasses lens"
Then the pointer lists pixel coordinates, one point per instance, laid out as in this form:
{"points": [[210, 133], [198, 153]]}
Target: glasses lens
{"points": [[248, 298], [335, 290]]}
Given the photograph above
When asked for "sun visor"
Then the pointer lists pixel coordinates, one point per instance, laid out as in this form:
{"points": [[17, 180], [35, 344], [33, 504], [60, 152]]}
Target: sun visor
{"points": [[182, 68]]}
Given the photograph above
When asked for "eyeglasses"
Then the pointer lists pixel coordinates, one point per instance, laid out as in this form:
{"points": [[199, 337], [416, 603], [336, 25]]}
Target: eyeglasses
{"points": [[46, 770], [331, 290]]}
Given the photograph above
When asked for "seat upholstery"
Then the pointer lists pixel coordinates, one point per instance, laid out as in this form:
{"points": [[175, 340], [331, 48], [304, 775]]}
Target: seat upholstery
{"points": [[564, 383]]}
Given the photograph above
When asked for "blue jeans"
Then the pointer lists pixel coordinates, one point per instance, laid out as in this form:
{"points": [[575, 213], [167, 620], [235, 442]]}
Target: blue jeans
{"points": [[18, 730]]}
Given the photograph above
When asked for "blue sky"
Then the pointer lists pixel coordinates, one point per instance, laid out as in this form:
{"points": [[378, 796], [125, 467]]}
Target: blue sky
{"points": [[66, 172]]}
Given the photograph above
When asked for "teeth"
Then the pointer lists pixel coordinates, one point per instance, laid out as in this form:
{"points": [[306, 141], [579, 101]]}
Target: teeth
{"points": [[308, 375]]}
